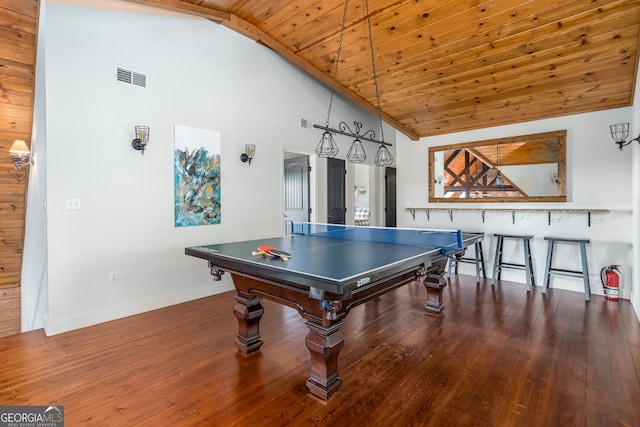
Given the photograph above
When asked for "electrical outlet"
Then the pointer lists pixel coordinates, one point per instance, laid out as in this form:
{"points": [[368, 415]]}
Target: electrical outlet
{"points": [[73, 204], [114, 277]]}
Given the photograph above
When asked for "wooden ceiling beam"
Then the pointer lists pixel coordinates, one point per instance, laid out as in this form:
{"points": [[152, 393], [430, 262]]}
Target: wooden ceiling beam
{"points": [[187, 8]]}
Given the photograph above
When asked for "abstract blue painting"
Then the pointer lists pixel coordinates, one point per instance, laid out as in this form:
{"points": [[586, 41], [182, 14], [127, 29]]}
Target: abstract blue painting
{"points": [[196, 160]]}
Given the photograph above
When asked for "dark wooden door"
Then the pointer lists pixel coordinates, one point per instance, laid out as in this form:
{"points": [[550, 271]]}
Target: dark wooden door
{"points": [[336, 204], [390, 197], [296, 189]]}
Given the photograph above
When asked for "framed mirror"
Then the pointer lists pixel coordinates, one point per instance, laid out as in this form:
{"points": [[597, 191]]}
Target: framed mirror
{"points": [[527, 168]]}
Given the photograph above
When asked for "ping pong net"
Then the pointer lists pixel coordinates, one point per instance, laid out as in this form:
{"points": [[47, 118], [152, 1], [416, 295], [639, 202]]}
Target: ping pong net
{"points": [[448, 240]]}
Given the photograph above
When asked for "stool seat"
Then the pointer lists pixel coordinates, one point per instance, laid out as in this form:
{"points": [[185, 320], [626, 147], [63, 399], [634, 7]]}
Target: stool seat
{"points": [[527, 264], [478, 260], [567, 239], [513, 236], [549, 269]]}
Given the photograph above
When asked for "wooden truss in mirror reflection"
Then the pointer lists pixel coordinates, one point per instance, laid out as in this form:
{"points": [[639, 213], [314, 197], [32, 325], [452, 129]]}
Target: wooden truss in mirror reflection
{"points": [[525, 168], [469, 172]]}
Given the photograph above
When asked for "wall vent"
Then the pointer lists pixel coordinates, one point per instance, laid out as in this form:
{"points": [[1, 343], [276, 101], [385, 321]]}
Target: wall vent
{"points": [[131, 77], [306, 123]]}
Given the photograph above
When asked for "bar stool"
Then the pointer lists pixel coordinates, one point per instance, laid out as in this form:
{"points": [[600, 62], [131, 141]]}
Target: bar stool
{"points": [[564, 272], [478, 260], [527, 266]]}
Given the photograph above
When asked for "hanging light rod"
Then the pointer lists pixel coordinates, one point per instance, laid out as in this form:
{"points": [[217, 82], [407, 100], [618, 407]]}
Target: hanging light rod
{"points": [[343, 129], [327, 146]]}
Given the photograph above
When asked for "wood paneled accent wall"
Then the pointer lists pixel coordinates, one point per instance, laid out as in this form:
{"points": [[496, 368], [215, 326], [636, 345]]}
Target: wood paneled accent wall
{"points": [[18, 41]]}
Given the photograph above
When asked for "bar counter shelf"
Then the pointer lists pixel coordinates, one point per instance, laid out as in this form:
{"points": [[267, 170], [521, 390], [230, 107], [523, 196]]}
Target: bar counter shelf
{"points": [[514, 211]]}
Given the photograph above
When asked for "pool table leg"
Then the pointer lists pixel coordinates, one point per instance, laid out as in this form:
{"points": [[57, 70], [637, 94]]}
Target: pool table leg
{"points": [[248, 311], [435, 284], [324, 345]]}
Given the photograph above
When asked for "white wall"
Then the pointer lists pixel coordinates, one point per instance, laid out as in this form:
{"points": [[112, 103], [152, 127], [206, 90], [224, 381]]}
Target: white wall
{"points": [[534, 180], [598, 177], [200, 74]]}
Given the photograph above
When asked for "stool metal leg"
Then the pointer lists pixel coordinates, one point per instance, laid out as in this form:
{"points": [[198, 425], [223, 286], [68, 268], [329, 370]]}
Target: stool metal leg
{"points": [[455, 260], [497, 260], [530, 261], [547, 268], [527, 264], [475, 249], [585, 272], [484, 273]]}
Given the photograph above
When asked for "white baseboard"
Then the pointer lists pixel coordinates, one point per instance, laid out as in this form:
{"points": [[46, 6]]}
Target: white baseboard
{"points": [[82, 320], [635, 302]]}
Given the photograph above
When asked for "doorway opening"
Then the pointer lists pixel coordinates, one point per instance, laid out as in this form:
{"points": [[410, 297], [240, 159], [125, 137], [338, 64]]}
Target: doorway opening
{"points": [[362, 195], [297, 206]]}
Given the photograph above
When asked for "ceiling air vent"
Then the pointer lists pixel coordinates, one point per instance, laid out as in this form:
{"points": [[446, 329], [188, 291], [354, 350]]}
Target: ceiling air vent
{"points": [[131, 77]]}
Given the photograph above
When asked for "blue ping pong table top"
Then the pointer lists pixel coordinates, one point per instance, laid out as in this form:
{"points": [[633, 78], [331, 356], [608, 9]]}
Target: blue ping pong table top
{"points": [[444, 239], [325, 258]]}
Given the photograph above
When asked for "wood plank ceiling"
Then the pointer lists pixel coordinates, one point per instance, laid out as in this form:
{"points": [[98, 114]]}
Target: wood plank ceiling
{"points": [[448, 66]]}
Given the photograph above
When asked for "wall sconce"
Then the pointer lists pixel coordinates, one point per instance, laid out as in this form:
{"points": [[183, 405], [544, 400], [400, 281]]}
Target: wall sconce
{"points": [[620, 132], [249, 152], [142, 138], [20, 154]]}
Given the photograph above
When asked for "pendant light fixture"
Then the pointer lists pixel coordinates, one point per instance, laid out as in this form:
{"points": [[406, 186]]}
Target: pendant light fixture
{"points": [[327, 146], [356, 152]]}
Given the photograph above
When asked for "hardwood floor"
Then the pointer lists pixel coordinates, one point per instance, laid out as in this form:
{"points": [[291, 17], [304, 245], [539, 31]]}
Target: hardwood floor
{"points": [[497, 356]]}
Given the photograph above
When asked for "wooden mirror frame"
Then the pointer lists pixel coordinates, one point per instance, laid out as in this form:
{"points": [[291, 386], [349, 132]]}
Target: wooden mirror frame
{"points": [[562, 187]]}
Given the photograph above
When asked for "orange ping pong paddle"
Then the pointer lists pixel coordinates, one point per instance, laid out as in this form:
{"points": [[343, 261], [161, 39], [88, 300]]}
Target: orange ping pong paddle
{"points": [[270, 250]]}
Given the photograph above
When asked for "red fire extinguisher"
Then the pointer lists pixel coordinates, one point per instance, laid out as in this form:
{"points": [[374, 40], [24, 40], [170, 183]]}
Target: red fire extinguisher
{"points": [[610, 277]]}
